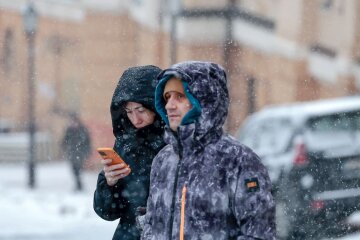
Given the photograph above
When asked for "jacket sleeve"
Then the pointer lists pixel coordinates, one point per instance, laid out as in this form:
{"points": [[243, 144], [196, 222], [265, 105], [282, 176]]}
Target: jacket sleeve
{"points": [[147, 226], [253, 205], [105, 198]]}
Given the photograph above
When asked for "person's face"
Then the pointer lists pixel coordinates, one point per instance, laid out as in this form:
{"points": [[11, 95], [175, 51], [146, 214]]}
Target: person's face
{"points": [[177, 105], [138, 115]]}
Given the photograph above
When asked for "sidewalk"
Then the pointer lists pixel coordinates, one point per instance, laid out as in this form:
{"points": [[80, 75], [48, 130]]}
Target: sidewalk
{"points": [[51, 211]]}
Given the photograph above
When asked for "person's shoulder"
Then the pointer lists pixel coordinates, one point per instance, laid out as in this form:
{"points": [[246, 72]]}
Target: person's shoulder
{"points": [[164, 156], [231, 145], [238, 151], [164, 152]]}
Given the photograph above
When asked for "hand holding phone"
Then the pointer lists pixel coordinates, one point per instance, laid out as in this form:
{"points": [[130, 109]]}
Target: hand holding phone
{"points": [[109, 153], [113, 172]]}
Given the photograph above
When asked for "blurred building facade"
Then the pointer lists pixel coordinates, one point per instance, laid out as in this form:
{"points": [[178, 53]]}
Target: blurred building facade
{"points": [[275, 52]]}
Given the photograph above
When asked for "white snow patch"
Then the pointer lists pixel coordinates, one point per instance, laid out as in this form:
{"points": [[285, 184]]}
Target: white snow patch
{"points": [[52, 210]]}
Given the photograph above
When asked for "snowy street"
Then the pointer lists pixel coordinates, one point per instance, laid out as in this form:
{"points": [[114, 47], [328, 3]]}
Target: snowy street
{"points": [[53, 211]]}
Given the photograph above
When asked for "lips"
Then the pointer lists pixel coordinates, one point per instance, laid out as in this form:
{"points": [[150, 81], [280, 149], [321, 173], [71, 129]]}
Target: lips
{"points": [[173, 116], [138, 125]]}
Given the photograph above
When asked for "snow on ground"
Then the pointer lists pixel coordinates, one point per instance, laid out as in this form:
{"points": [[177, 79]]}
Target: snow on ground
{"points": [[54, 211], [51, 211], [355, 236]]}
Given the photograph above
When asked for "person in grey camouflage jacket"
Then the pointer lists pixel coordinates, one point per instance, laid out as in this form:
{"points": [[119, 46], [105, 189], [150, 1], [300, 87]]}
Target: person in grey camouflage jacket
{"points": [[204, 184]]}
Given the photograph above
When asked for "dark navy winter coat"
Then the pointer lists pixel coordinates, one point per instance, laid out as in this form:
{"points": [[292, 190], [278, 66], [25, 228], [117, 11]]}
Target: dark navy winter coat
{"points": [[137, 147], [228, 191]]}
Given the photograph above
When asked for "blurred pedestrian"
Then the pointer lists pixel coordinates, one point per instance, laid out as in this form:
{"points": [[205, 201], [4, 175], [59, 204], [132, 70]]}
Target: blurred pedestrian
{"points": [[138, 132], [76, 145], [204, 183]]}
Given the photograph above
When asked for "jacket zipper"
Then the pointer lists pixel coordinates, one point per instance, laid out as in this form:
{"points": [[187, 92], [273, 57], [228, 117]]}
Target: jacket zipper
{"points": [[182, 213], [174, 192]]}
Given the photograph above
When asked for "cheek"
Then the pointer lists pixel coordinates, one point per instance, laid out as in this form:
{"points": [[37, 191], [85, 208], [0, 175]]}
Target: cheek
{"points": [[188, 105], [133, 122], [131, 118], [149, 118]]}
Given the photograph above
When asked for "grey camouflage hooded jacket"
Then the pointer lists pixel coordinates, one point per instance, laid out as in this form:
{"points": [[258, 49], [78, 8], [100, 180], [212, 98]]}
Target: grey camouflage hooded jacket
{"points": [[204, 184]]}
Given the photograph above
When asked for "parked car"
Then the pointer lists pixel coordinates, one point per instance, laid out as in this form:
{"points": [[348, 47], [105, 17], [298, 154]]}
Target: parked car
{"points": [[312, 152]]}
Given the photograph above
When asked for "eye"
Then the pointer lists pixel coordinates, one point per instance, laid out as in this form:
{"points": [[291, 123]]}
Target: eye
{"points": [[180, 96], [141, 109], [166, 97]]}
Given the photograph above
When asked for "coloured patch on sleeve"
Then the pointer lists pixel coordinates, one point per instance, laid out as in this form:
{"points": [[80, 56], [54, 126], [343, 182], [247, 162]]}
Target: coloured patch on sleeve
{"points": [[252, 184]]}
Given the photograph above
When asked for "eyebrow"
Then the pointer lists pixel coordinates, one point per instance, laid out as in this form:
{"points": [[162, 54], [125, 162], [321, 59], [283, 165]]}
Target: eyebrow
{"points": [[133, 108]]}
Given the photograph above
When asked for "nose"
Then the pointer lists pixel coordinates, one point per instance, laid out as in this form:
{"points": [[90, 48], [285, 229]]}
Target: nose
{"points": [[136, 118], [170, 105]]}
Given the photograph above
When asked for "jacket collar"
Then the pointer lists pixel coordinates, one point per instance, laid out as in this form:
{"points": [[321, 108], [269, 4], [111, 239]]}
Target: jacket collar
{"points": [[188, 140]]}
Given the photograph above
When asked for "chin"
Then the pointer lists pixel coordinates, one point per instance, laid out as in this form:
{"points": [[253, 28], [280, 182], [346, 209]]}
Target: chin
{"points": [[174, 128]]}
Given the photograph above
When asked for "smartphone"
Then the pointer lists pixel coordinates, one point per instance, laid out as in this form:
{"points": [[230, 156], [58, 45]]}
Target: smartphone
{"points": [[109, 153]]}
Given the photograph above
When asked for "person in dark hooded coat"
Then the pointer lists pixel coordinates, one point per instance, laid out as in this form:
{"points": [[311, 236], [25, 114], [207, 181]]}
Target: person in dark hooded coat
{"points": [[204, 184], [138, 130], [76, 144]]}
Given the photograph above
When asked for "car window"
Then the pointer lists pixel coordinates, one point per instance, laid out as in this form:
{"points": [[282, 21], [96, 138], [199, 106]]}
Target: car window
{"points": [[268, 136], [331, 131], [337, 122]]}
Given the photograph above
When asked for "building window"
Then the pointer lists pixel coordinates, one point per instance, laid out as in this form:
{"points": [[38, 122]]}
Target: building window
{"points": [[322, 50], [327, 4], [138, 2], [8, 55]]}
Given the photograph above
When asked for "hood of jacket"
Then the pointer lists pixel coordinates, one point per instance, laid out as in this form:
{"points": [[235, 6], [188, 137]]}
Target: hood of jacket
{"points": [[137, 84], [205, 82]]}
